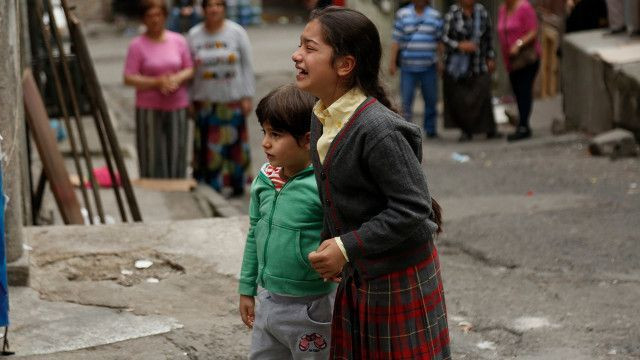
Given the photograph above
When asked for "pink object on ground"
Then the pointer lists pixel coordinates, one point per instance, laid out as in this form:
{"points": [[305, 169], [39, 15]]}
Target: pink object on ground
{"points": [[103, 178]]}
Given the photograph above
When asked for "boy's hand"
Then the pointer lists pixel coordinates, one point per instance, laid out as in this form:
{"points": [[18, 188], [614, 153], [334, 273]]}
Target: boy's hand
{"points": [[247, 306], [327, 260]]}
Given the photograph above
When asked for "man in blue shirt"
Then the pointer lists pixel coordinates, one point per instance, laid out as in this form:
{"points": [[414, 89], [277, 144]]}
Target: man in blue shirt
{"points": [[416, 48]]}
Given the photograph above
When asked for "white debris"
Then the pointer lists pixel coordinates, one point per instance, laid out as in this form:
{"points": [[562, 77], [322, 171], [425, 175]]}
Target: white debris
{"points": [[465, 326], [26, 247], [461, 158], [126, 272], [143, 263], [486, 345], [530, 323], [152, 280]]}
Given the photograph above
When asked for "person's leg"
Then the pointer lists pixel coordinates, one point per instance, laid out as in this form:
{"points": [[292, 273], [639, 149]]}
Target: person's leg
{"points": [[303, 325], [264, 345], [429, 89], [141, 142], [239, 157], [522, 85], [528, 77], [407, 92]]}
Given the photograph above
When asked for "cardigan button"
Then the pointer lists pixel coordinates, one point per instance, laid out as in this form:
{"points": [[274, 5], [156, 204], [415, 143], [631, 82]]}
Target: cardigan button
{"points": [[328, 202], [323, 175]]}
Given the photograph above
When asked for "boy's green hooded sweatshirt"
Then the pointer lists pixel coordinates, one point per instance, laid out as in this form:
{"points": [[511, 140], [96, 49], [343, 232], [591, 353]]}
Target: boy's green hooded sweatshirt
{"points": [[284, 228]]}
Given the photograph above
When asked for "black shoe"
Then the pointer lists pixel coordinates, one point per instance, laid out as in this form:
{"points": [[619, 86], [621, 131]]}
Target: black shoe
{"points": [[494, 135], [465, 137], [520, 134]]}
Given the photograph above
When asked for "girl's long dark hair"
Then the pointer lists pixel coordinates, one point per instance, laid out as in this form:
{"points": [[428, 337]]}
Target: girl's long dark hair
{"points": [[349, 32]]}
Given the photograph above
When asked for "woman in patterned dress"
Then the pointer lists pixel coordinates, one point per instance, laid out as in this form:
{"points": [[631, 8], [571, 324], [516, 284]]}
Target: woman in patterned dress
{"points": [[222, 90]]}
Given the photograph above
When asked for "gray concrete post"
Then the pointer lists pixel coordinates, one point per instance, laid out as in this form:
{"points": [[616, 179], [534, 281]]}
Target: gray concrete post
{"points": [[11, 124]]}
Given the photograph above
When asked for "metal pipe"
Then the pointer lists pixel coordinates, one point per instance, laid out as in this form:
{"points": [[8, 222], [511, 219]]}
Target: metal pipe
{"points": [[63, 108], [86, 64], [76, 110]]}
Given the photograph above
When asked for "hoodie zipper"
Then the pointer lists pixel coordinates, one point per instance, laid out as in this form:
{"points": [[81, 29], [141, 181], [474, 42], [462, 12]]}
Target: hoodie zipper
{"points": [[273, 209]]}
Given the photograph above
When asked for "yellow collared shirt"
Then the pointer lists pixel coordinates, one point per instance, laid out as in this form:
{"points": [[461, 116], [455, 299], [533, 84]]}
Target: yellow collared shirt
{"points": [[335, 117]]}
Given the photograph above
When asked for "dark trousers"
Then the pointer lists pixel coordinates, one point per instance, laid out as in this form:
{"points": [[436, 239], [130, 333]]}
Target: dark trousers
{"points": [[522, 86]]}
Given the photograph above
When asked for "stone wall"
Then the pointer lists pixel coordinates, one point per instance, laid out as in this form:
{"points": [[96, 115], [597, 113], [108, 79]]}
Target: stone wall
{"points": [[601, 81]]}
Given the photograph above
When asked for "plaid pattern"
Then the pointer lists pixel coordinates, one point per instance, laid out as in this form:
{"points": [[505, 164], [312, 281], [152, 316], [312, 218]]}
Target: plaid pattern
{"points": [[401, 315], [458, 27]]}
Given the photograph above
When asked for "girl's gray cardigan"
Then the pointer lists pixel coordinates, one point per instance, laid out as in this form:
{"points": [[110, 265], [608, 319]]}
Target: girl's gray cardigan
{"points": [[374, 191]]}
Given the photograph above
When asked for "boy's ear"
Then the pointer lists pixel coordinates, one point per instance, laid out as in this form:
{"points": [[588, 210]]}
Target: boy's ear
{"points": [[306, 141], [345, 65]]}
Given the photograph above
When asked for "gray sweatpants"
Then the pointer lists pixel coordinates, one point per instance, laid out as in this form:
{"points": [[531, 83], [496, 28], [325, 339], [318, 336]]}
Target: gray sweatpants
{"points": [[292, 327]]}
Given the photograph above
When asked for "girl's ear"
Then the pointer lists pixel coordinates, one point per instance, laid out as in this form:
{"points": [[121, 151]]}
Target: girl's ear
{"points": [[345, 65]]}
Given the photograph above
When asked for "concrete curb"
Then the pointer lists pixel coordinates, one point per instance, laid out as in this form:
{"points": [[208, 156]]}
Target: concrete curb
{"points": [[218, 206]]}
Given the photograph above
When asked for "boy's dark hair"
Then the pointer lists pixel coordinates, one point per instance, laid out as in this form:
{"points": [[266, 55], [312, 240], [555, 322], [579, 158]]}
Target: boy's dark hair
{"points": [[287, 109], [146, 5], [349, 32]]}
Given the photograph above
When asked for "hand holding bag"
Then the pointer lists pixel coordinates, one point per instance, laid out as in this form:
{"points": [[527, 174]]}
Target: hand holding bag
{"points": [[527, 54]]}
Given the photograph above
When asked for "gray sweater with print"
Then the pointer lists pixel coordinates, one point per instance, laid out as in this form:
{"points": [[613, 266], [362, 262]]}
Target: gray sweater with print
{"points": [[374, 191]]}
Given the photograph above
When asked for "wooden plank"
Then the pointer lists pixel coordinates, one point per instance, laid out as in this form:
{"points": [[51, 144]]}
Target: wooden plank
{"points": [[52, 161], [166, 184]]}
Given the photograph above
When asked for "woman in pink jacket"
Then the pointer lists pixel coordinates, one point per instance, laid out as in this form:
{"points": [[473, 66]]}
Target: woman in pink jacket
{"points": [[517, 32]]}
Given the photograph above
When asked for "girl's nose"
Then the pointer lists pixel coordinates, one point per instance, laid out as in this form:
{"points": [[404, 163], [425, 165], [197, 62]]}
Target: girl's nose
{"points": [[265, 143], [296, 55]]}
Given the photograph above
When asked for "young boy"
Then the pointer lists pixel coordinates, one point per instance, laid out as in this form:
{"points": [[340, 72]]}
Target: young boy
{"points": [[293, 318]]}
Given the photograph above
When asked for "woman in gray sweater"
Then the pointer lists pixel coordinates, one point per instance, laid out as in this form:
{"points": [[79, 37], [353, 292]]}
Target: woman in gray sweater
{"points": [[222, 89]]}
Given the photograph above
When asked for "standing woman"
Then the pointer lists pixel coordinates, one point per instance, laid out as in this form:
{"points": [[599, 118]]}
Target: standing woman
{"points": [[517, 32], [222, 89], [469, 61], [158, 64]]}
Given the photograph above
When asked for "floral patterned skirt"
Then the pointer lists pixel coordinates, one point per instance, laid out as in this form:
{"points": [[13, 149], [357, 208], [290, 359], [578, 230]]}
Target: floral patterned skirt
{"points": [[221, 147]]}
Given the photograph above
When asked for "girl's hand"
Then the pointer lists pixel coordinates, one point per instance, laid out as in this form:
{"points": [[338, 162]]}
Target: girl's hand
{"points": [[327, 260], [247, 306]]}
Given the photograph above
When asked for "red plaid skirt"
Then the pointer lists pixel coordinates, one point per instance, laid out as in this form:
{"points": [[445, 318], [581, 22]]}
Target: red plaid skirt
{"points": [[401, 315]]}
